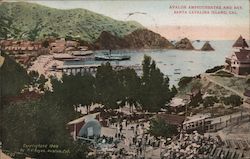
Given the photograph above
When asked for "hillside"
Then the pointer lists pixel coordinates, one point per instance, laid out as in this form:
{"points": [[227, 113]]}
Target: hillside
{"points": [[138, 39], [144, 38], [33, 21], [113, 42]]}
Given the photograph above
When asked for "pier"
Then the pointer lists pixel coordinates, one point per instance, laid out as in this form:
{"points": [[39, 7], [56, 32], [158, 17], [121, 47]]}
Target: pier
{"points": [[82, 69]]}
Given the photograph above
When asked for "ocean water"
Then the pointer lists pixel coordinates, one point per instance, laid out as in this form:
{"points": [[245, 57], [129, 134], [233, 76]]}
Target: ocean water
{"points": [[175, 63]]}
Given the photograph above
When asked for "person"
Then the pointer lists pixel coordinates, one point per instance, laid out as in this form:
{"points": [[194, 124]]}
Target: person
{"points": [[120, 127], [132, 127], [140, 150], [133, 139]]}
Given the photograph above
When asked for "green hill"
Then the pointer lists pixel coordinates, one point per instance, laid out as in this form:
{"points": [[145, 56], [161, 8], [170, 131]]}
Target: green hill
{"points": [[33, 21]]}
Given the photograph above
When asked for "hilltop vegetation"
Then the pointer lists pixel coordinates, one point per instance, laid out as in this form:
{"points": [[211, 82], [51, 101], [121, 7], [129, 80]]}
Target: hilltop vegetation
{"points": [[140, 38], [32, 21]]}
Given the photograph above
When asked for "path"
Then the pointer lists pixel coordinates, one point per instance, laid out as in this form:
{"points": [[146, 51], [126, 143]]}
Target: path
{"points": [[205, 76]]}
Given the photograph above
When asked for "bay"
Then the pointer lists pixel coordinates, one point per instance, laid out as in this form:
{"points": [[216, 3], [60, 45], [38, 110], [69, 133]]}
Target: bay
{"points": [[174, 63]]}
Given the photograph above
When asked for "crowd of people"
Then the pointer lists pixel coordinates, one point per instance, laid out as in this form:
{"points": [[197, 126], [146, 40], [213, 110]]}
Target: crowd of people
{"points": [[190, 146]]}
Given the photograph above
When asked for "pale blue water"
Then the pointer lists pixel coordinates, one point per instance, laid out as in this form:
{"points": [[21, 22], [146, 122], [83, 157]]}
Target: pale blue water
{"points": [[176, 63]]}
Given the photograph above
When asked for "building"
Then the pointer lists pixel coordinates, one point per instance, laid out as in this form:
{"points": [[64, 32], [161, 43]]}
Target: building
{"points": [[58, 46], [239, 61], [86, 126], [177, 104], [23, 47], [197, 122]]}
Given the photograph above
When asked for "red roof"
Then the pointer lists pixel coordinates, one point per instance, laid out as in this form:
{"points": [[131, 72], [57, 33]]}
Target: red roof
{"points": [[243, 55]]}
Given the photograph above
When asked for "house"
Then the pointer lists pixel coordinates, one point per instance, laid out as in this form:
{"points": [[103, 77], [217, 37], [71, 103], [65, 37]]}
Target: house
{"points": [[177, 104], [70, 43], [21, 47], [239, 61], [58, 46], [62, 46]]}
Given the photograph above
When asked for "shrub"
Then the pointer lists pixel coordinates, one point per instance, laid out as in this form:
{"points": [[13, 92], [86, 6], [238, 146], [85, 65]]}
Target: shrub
{"points": [[158, 128], [210, 101], [184, 81], [233, 100], [214, 69]]}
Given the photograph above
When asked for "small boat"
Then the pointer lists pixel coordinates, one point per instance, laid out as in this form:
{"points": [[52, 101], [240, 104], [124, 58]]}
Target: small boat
{"points": [[177, 73]]}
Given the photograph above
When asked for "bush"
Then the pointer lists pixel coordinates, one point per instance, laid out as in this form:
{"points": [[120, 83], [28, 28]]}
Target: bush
{"points": [[233, 100], [210, 101], [184, 81], [159, 128], [214, 69]]}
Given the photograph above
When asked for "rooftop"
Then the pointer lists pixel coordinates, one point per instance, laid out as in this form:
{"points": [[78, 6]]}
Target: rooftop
{"points": [[197, 117], [243, 55], [86, 117], [175, 102]]}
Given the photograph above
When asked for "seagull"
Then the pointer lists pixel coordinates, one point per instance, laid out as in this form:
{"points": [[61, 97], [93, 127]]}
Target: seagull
{"points": [[132, 13]]}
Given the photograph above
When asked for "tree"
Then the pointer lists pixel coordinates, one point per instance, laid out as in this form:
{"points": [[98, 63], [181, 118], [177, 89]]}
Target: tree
{"points": [[174, 91], [38, 122], [154, 92], [130, 83], [159, 128], [37, 80], [196, 99], [108, 86], [73, 91], [233, 100], [146, 68], [13, 77], [210, 101], [42, 121]]}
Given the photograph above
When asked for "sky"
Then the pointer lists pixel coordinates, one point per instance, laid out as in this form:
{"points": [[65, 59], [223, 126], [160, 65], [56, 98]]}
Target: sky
{"points": [[158, 15]]}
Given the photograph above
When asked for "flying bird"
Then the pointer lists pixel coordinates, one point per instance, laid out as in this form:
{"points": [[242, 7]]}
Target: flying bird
{"points": [[132, 13]]}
